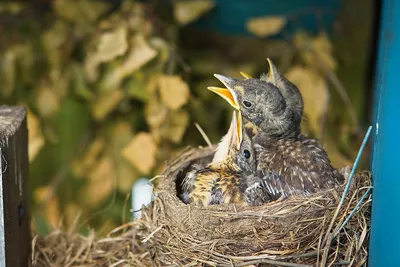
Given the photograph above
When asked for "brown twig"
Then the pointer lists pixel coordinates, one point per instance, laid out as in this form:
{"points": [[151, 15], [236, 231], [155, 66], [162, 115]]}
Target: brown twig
{"points": [[203, 134], [220, 235], [272, 262]]}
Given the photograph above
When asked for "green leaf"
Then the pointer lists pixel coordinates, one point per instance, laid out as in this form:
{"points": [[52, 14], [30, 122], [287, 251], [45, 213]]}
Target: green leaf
{"points": [[121, 135], [26, 59], [71, 125], [136, 87], [54, 43], [13, 8], [177, 127], [8, 73], [79, 84], [106, 103]]}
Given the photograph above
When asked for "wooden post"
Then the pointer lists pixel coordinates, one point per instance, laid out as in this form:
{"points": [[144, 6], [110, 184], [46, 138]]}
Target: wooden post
{"points": [[15, 237]]}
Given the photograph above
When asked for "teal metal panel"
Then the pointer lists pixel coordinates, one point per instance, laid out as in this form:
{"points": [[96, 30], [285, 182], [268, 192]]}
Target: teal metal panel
{"points": [[385, 232], [230, 16]]}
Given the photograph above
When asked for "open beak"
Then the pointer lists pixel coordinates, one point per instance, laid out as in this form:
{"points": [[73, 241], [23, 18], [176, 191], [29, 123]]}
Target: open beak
{"points": [[231, 140], [236, 127], [226, 93], [239, 130]]}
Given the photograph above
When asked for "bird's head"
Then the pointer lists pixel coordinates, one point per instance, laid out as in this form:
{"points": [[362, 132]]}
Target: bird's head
{"points": [[236, 146], [272, 103]]}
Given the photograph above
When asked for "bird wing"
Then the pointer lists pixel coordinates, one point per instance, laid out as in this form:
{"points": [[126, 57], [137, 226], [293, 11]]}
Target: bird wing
{"points": [[297, 169], [257, 192]]}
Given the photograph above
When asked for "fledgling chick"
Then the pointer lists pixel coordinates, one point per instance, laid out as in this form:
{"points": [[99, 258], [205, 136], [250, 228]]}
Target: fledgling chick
{"points": [[274, 106], [272, 103], [294, 166], [222, 180]]}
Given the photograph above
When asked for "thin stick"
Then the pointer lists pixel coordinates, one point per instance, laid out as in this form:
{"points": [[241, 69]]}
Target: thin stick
{"points": [[203, 134], [125, 207], [272, 262], [118, 263], [342, 92], [319, 243], [326, 250], [340, 262], [349, 181], [266, 256], [152, 233], [353, 170], [309, 254], [34, 240], [353, 212]]}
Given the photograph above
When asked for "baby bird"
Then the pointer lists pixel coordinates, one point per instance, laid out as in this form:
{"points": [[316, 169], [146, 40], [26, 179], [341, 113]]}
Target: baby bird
{"points": [[288, 163], [270, 103], [222, 180]]}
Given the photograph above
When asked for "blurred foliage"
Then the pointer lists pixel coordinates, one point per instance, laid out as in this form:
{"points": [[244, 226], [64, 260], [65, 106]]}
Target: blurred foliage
{"points": [[113, 89]]}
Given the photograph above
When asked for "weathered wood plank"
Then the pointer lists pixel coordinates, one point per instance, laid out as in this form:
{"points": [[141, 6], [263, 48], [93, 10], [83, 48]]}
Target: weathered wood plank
{"points": [[15, 237]]}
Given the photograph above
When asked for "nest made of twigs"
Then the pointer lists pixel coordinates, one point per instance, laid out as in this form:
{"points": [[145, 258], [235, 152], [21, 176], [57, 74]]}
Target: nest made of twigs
{"points": [[298, 231], [291, 230]]}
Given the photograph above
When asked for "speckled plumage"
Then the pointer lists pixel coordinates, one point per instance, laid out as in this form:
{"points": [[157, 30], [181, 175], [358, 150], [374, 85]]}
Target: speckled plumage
{"points": [[287, 162], [286, 167], [294, 166], [215, 184], [222, 181]]}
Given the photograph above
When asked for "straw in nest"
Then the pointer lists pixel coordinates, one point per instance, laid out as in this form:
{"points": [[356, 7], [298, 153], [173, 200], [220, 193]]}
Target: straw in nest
{"points": [[323, 229]]}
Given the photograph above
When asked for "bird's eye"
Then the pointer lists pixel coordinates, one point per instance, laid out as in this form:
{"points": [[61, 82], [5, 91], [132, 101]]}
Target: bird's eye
{"points": [[247, 103], [246, 154]]}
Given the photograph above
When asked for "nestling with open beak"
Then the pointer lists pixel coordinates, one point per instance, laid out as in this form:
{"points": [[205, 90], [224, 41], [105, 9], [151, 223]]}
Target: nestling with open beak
{"points": [[222, 180], [274, 107], [272, 103]]}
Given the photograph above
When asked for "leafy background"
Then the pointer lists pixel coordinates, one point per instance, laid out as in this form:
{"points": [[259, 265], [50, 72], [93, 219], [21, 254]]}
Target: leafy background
{"points": [[114, 89]]}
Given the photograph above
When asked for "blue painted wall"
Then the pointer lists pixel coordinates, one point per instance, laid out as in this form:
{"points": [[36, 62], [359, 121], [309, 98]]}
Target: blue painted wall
{"points": [[385, 233]]}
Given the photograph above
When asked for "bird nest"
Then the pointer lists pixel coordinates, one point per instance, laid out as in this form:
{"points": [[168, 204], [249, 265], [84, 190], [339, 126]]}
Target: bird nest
{"points": [[298, 231]]}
